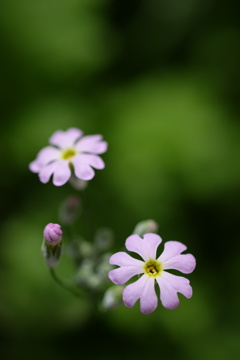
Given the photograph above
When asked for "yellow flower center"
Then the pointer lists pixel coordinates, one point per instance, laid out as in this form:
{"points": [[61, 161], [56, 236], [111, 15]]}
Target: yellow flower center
{"points": [[153, 268], [68, 154]]}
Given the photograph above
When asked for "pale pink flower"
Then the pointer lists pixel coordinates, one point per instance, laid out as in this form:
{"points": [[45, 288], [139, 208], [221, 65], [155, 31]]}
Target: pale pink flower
{"points": [[52, 234], [154, 271], [70, 153]]}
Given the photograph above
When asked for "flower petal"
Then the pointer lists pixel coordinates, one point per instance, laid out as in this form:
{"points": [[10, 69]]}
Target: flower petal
{"points": [[171, 249], [45, 156], [185, 263], [134, 291], [154, 241], [62, 173], [92, 144], [46, 172], [64, 139], [82, 169], [143, 288], [123, 259], [170, 285], [145, 247], [121, 275], [93, 160], [148, 300]]}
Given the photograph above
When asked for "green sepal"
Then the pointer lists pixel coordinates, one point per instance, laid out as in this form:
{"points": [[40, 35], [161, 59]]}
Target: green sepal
{"points": [[52, 253]]}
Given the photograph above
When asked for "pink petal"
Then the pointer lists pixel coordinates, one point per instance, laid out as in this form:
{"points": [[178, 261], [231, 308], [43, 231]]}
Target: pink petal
{"points": [[45, 156], [148, 300], [123, 259], [34, 166], [145, 247], [153, 241], [62, 173], [133, 292], [185, 263], [171, 249], [93, 160], [92, 144], [170, 285], [82, 169], [121, 275], [46, 172], [65, 139]]}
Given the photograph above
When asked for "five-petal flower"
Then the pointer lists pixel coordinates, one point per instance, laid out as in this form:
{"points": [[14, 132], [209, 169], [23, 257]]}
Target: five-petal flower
{"points": [[153, 270], [69, 152]]}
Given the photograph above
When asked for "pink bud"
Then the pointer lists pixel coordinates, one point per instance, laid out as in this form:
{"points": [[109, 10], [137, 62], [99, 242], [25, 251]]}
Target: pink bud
{"points": [[52, 234]]}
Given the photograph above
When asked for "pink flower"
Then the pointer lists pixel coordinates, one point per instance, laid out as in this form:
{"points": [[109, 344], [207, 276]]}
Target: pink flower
{"points": [[70, 151], [52, 234], [153, 270]]}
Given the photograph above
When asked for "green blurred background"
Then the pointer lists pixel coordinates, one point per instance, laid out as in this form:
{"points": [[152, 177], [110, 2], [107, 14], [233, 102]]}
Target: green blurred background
{"points": [[160, 80]]}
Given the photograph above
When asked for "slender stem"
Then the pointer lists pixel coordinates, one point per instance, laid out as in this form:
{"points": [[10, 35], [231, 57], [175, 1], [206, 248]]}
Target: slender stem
{"points": [[64, 285]]}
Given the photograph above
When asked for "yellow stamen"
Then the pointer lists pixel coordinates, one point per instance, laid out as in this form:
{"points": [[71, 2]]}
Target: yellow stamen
{"points": [[153, 268], [68, 154]]}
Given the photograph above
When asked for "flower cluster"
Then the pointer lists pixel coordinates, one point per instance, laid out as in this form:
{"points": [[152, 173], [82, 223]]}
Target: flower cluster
{"points": [[72, 157]]}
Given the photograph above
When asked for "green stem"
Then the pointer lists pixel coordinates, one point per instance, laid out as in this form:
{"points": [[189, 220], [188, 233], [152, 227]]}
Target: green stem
{"points": [[64, 285]]}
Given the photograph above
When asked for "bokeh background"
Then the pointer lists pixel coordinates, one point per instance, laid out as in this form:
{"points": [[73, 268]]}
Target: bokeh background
{"points": [[160, 80]]}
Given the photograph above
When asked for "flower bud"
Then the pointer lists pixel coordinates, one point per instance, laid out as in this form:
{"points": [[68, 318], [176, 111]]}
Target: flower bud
{"points": [[52, 234], [52, 244], [144, 227], [86, 275], [78, 184], [70, 210], [103, 267], [86, 249], [112, 297], [103, 239]]}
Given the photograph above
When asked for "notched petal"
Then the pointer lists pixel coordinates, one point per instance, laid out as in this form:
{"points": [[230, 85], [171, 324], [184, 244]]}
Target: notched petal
{"points": [[145, 247], [123, 259], [148, 299], [171, 249], [185, 263], [122, 274], [170, 285], [134, 291]]}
